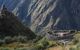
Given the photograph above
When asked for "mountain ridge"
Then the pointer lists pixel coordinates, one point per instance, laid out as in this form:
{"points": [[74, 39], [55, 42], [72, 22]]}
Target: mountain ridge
{"points": [[11, 26]]}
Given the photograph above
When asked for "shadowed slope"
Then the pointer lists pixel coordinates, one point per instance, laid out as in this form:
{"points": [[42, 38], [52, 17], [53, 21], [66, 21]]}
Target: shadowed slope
{"points": [[10, 25]]}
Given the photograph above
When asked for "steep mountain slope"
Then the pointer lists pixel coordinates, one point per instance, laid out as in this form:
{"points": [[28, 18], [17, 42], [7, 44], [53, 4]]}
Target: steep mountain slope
{"points": [[55, 15], [18, 7], [11, 26], [43, 15]]}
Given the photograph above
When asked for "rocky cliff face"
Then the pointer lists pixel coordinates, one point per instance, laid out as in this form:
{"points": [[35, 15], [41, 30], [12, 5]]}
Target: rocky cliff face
{"points": [[11, 26], [55, 15]]}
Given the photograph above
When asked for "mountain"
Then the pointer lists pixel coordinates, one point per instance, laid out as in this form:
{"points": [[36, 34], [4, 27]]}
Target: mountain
{"points": [[55, 15], [17, 7], [43, 15], [11, 26]]}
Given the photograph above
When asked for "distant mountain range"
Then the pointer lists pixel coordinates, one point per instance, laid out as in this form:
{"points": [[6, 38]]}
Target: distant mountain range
{"points": [[43, 15]]}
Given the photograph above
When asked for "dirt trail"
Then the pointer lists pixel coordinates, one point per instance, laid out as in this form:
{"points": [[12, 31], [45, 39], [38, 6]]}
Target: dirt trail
{"points": [[55, 48], [60, 48]]}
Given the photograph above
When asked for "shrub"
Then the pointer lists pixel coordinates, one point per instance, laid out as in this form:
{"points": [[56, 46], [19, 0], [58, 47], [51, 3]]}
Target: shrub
{"points": [[4, 49], [8, 40], [72, 49]]}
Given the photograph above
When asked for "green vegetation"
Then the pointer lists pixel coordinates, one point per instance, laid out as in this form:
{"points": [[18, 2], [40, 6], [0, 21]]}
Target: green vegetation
{"points": [[40, 43], [44, 43], [76, 42]]}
